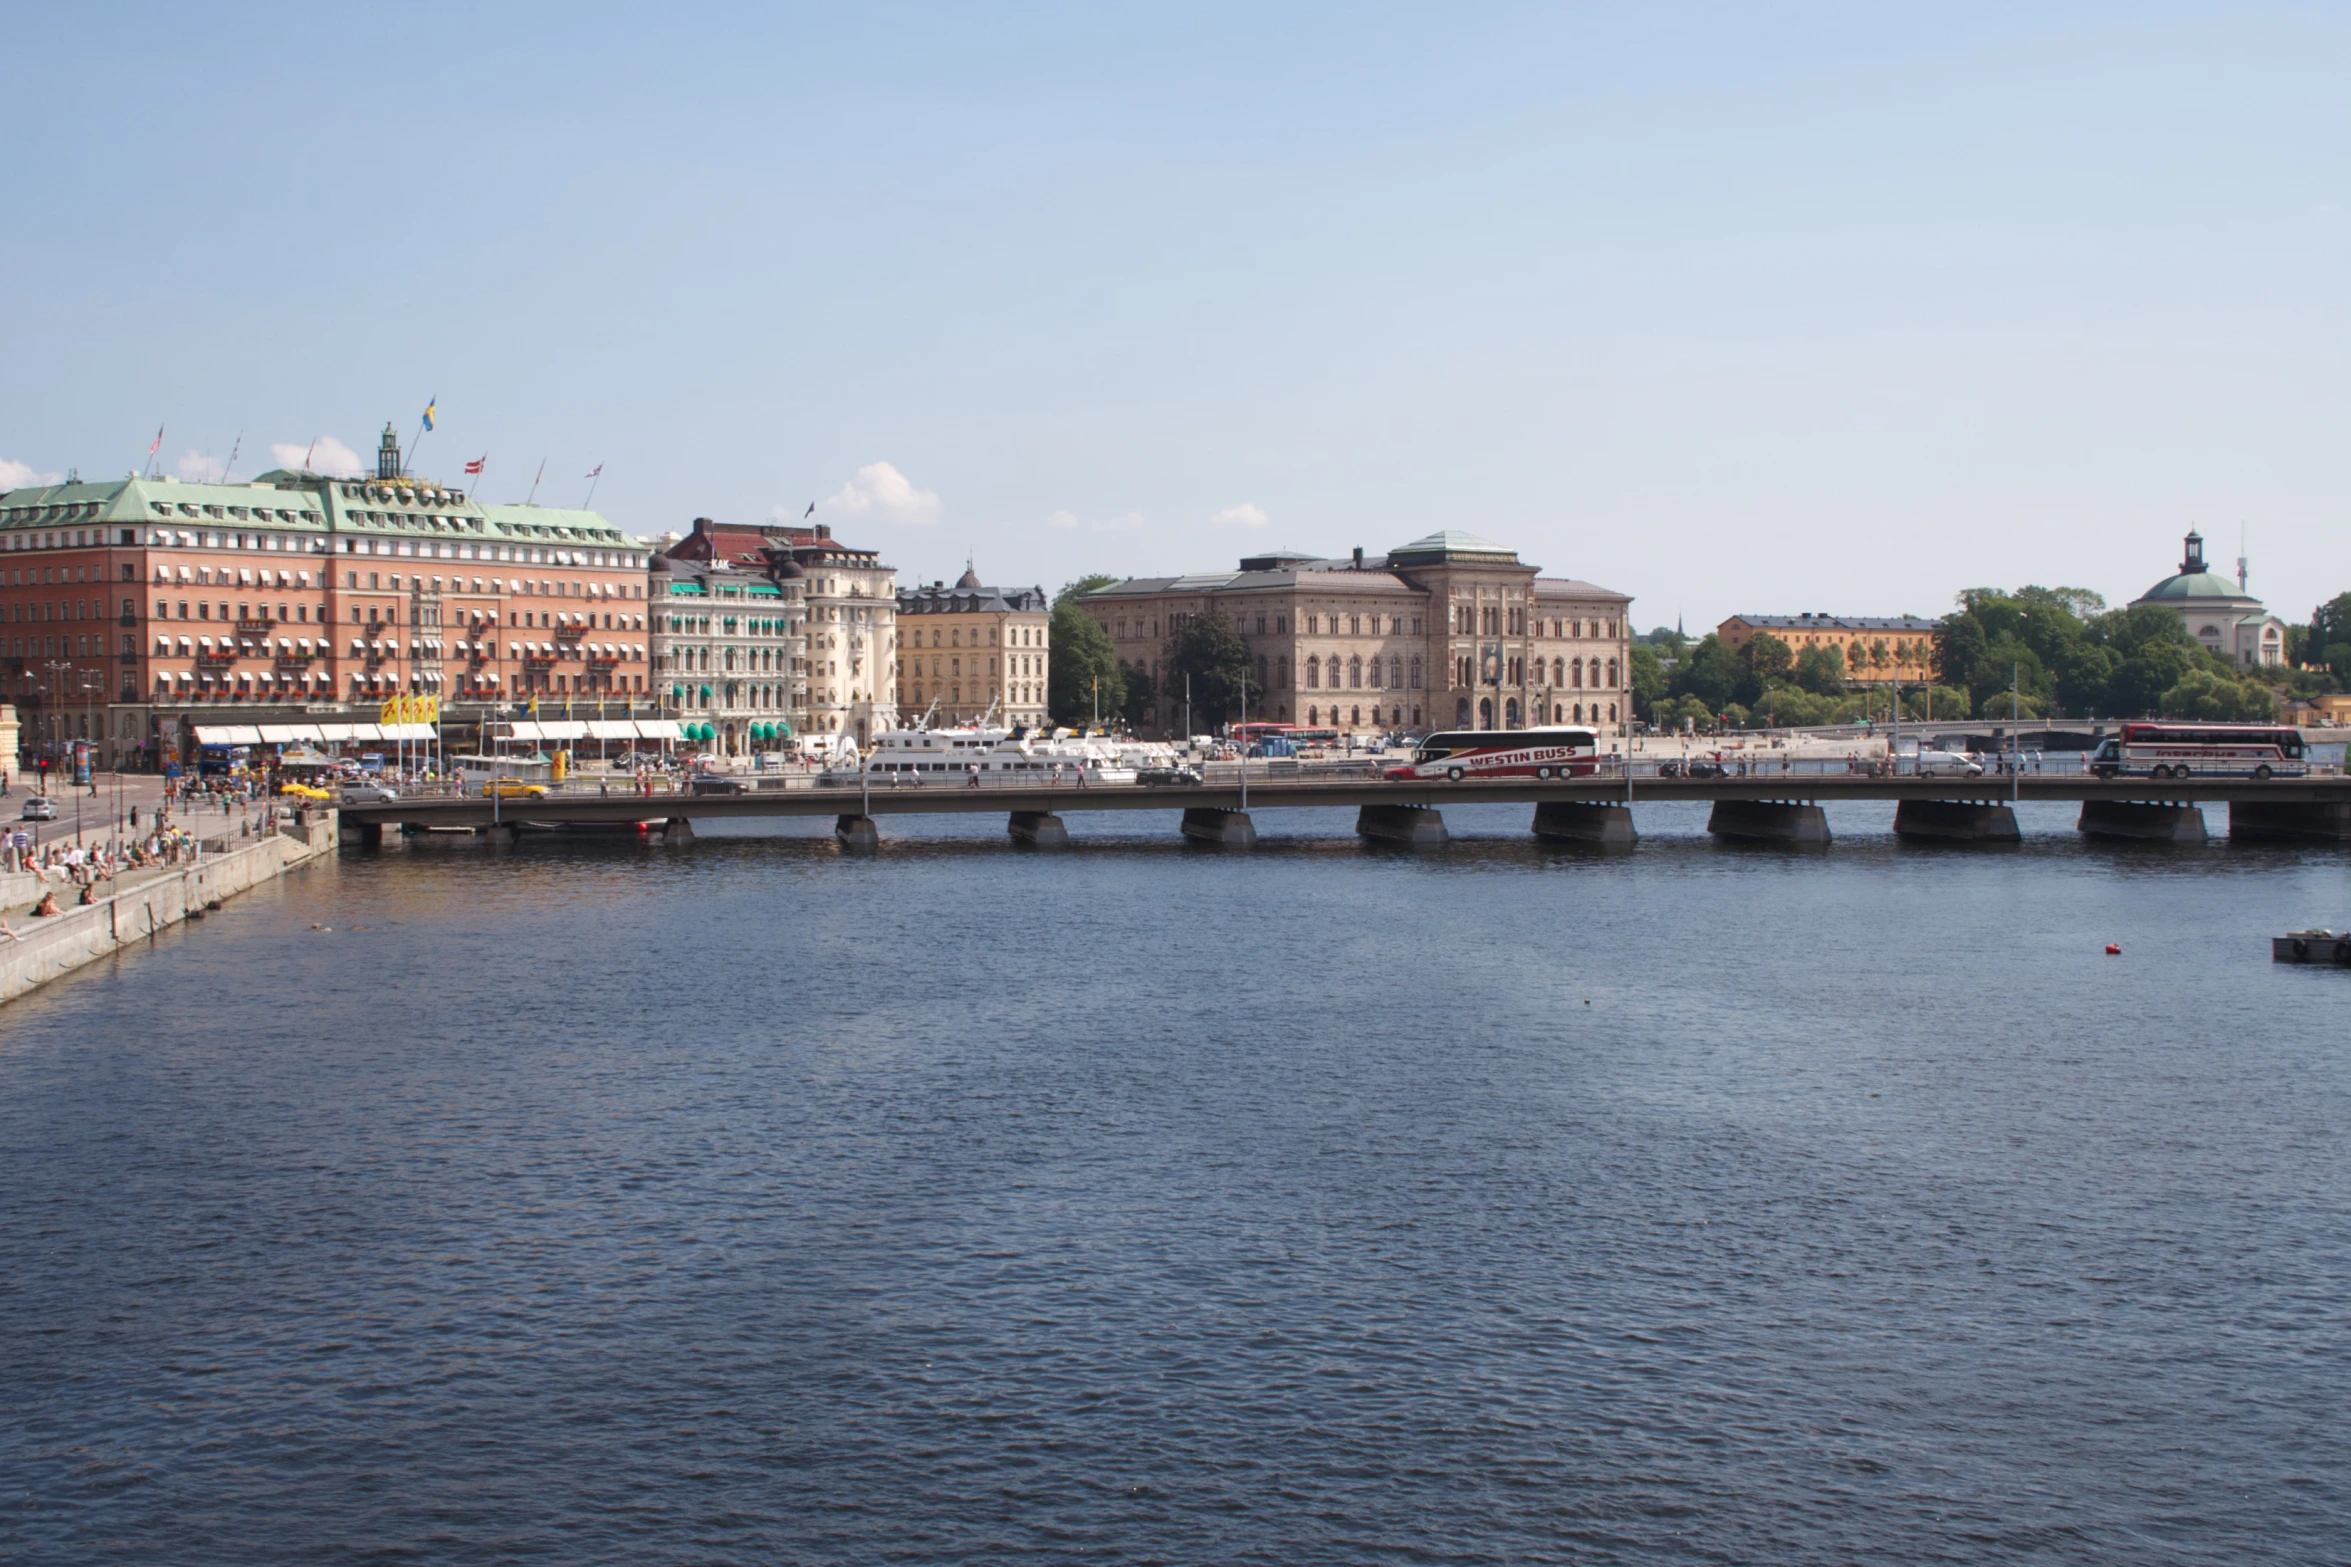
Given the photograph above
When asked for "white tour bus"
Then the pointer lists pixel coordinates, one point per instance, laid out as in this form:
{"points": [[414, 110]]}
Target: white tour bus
{"points": [[1503, 753], [2191, 750]]}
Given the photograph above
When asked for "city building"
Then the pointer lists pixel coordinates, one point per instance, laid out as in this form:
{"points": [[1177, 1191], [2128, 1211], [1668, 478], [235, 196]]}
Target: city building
{"points": [[2221, 615], [969, 650], [1448, 631], [130, 608], [848, 631], [730, 647], [1877, 650]]}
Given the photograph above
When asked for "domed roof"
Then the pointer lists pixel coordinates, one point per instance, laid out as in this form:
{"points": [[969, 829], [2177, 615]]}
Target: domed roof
{"points": [[969, 579], [2193, 585], [2192, 581]]}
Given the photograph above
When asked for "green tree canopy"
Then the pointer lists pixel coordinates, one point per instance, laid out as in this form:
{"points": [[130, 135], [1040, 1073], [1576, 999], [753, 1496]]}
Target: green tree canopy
{"points": [[2074, 656], [1210, 651], [1082, 656], [1769, 661], [1820, 669]]}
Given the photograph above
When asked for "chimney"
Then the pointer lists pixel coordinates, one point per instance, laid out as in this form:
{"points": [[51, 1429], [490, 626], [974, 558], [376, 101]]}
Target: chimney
{"points": [[824, 530], [1358, 557]]}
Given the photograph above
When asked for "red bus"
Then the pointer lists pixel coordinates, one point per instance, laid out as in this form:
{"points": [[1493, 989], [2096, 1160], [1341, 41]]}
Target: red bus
{"points": [[2191, 750], [1503, 753]]}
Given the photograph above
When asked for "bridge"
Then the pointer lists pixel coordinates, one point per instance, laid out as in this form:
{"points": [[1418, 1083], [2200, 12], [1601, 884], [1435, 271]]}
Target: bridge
{"points": [[1595, 809]]}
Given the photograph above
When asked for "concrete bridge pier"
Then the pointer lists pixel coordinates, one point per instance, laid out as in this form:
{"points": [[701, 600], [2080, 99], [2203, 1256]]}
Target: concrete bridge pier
{"points": [[1419, 826], [1768, 821], [1956, 821], [1233, 829], [1041, 828], [676, 831], [1573, 821], [2142, 820], [367, 835], [502, 833], [857, 832], [2258, 819]]}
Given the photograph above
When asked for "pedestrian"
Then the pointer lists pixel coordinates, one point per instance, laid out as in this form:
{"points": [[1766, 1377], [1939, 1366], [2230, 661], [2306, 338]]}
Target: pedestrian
{"points": [[974, 769]]}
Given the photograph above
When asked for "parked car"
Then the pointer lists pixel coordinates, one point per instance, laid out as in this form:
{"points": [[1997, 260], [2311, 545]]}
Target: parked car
{"points": [[1168, 776], [367, 794], [513, 789], [39, 808], [1690, 769]]}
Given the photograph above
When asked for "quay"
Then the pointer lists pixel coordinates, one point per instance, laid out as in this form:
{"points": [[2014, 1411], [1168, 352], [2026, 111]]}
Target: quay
{"points": [[153, 902], [1592, 809]]}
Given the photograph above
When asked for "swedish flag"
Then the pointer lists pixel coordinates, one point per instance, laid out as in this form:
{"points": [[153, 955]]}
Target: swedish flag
{"points": [[430, 404]]}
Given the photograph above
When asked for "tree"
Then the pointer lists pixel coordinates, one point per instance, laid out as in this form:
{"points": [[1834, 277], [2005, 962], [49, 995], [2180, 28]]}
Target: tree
{"points": [[2206, 694], [2329, 642], [1135, 706], [1769, 661], [1711, 673], [1820, 669], [1208, 650], [1082, 655], [1649, 686]]}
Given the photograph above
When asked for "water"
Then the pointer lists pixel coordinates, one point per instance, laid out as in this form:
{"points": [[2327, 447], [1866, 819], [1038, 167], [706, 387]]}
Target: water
{"points": [[749, 1203]]}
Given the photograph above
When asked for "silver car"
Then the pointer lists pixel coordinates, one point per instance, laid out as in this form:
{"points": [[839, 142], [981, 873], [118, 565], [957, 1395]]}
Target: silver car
{"points": [[1947, 764], [369, 794]]}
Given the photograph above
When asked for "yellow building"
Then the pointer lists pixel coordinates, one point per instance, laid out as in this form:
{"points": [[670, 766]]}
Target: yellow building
{"points": [[1877, 651], [965, 649]]}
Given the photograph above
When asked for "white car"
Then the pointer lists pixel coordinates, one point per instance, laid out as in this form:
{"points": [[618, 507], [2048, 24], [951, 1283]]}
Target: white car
{"points": [[39, 808], [1946, 764]]}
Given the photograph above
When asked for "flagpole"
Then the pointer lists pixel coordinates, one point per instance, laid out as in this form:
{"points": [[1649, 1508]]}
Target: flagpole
{"points": [[534, 495], [593, 478]]}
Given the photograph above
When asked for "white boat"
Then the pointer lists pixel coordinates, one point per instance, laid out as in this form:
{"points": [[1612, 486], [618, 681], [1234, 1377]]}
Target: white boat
{"points": [[948, 756]]}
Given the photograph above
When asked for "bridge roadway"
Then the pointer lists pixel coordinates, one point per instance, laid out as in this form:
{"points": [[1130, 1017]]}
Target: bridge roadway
{"points": [[2301, 807]]}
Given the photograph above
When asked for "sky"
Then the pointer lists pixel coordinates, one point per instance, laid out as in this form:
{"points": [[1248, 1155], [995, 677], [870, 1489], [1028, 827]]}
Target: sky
{"points": [[1738, 309]]}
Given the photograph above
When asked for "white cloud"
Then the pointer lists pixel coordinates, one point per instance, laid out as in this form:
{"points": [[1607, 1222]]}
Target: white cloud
{"points": [[197, 468], [330, 456], [16, 475], [880, 493], [1126, 522], [1246, 515]]}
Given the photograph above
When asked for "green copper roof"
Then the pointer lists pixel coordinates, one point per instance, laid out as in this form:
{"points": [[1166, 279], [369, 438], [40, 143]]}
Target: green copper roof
{"points": [[2195, 585], [1447, 542]]}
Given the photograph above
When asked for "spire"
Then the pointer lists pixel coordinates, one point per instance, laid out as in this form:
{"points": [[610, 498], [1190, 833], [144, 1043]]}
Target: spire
{"points": [[2193, 561], [388, 455]]}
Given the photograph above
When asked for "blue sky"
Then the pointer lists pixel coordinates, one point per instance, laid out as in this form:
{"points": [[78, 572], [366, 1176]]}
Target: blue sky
{"points": [[1729, 308]]}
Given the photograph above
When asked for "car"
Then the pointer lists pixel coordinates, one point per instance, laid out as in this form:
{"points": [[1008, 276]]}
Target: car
{"points": [[366, 794], [717, 783], [513, 789], [1165, 777], [303, 791], [1690, 769], [40, 808], [1947, 764]]}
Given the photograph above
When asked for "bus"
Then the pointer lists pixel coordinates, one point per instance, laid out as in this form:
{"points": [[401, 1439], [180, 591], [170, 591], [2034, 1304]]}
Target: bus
{"points": [[2187, 750], [1503, 753]]}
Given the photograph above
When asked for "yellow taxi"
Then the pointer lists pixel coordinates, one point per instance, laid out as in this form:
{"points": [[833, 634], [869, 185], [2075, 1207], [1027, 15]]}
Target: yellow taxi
{"points": [[304, 792], [513, 789]]}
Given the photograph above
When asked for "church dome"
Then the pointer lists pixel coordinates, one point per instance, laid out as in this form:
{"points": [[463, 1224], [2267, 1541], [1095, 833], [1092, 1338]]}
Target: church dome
{"points": [[969, 579], [2192, 581]]}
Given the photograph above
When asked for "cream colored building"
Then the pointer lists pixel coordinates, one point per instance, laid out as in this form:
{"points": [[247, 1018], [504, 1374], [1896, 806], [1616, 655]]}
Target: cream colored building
{"points": [[2223, 616], [1877, 649], [967, 650], [1448, 631]]}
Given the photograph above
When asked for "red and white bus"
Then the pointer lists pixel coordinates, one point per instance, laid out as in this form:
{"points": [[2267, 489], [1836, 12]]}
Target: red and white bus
{"points": [[2188, 750], [1503, 753]]}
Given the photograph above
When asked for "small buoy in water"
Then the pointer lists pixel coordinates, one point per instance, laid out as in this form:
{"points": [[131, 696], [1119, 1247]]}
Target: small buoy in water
{"points": [[2114, 949]]}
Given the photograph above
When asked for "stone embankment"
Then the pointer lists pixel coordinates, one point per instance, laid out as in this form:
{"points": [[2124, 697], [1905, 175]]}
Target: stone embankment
{"points": [[46, 948]]}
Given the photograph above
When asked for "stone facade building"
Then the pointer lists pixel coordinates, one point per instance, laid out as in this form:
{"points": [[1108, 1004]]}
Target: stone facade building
{"points": [[2223, 616], [1877, 649], [969, 649], [136, 607], [1448, 631], [730, 648], [847, 634]]}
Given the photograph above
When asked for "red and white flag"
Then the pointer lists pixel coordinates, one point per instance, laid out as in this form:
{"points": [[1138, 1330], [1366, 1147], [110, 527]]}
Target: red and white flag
{"points": [[478, 463], [597, 472], [157, 444]]}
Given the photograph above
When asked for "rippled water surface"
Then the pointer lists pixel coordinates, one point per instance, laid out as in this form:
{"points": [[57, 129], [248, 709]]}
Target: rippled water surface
{"points": [[747, 1202]]}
